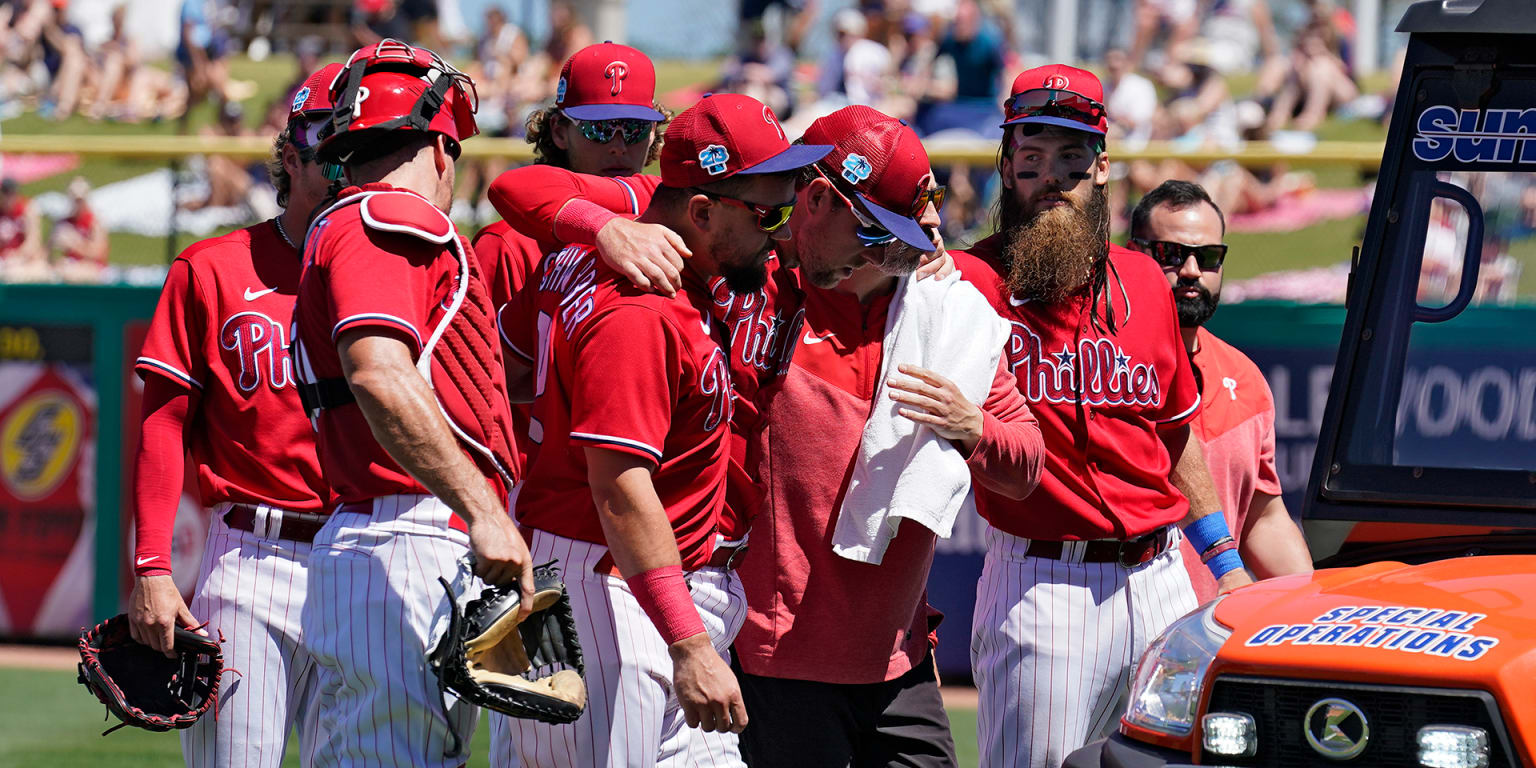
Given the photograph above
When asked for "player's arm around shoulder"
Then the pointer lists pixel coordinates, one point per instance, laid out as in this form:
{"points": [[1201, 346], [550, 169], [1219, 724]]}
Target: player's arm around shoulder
{"points": [[403, 414]]}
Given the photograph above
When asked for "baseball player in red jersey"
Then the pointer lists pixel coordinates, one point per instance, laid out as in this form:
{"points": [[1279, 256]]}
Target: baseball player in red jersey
{"points": [[835, 654], [218, 383], [634, 403], [1179, 227], [401, 374], [1081, 576], [604, 122]]}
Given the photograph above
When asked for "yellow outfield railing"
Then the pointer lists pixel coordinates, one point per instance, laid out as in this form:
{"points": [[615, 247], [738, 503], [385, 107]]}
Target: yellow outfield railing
{"points": [[1357, 154]]}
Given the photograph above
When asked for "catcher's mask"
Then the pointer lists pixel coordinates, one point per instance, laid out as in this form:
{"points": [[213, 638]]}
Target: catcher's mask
{"points": [[395, 86]]}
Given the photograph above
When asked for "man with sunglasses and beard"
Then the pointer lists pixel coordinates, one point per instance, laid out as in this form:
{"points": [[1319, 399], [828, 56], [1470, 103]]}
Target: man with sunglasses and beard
{"points": [[1179, 226], [1082, 575], [218, 385], [633, 402]]}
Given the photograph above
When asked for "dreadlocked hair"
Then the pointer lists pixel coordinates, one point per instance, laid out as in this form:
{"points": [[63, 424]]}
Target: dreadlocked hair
{"points": [[1098, 282], [275, 170], [541, 129]]}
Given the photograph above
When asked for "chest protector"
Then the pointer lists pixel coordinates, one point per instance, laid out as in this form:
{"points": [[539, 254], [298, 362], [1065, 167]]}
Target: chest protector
{"points": [[462, 341]]}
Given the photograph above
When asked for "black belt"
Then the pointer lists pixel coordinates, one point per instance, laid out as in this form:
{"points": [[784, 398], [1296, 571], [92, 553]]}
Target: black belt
{"points": [[291, 526], [1129, 552], [325, 393]]}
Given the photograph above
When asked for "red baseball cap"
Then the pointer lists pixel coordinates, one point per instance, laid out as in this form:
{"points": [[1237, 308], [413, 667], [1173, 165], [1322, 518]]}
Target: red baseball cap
{"points": [[312, 103], [1059, 95], [608, 81], [726, 134], [883, 161]]}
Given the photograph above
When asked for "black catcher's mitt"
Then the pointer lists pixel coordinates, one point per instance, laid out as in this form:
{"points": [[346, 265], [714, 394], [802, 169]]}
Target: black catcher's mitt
{"points": [[141, 685], [530, 669]]}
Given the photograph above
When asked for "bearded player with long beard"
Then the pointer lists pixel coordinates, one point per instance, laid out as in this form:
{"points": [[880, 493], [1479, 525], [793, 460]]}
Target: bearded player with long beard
{"points": [[1084, 573]]}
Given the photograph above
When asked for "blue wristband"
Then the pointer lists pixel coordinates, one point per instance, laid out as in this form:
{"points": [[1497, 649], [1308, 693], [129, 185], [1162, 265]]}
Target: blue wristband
{"points": [[1207, 531], [1225, 563]]}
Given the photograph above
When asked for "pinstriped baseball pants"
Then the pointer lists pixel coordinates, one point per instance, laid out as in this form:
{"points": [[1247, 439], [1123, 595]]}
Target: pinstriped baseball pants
{"points": [[633, 719], [250, 590], [374, 601], [1054, 644]]}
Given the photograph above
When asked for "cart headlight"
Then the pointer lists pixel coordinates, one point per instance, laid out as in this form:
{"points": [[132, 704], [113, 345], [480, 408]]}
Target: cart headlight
{"points": [[1166, 690]]}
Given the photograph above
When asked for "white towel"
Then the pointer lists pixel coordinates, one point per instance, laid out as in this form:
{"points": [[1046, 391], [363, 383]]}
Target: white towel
{"points": [[903, 468]]}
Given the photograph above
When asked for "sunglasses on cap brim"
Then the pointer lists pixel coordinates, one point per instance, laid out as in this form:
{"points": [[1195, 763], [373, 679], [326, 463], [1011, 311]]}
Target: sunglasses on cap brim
{"points": [[770, 218], [1172, 255], [869, 232], [634, 130], [1050, 102]]}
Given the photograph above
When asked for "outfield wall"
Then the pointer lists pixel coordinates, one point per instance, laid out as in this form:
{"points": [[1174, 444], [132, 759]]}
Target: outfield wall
{"points": [[68, 425]]}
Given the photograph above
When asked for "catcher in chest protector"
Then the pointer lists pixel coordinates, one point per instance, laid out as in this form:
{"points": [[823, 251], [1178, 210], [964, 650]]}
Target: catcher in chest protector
{"points": [[527, 669]]}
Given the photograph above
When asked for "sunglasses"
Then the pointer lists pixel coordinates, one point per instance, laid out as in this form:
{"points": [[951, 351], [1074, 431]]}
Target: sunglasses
{"points": [[632, 129], [770, 218], [1049, 102], [1173, 255], [330, 171], [933, 195], [870, 233]]}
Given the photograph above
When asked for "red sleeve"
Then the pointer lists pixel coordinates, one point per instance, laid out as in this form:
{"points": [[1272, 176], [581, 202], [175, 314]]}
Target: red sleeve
{"points": [[172, 347], [490, 249], [380, 281], [1268, 480], [1009, 457], [159, 472], [530, 198], [517, 322], [1181, 401], [637, 347]]}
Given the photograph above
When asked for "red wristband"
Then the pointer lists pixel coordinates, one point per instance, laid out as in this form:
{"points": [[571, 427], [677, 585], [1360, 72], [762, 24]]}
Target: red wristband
{"points": [[663, 595], [579, 221]]}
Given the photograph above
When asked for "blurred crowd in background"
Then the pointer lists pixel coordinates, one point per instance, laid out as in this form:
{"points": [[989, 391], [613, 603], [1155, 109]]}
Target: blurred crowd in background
{"points": [[1168, 66]]}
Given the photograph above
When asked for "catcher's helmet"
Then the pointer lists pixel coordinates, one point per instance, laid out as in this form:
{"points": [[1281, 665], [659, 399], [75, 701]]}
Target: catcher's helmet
{"points": [[394, 86]]}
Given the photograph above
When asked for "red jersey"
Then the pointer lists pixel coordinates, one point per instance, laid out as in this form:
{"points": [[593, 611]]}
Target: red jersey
{"points": [[1101, 399], [221, 330], [860, 623], [507, 261], [1236, 428], [82, 221], [530, 197], [763, 326], [629, 371], [13, 224], [386, 260]]}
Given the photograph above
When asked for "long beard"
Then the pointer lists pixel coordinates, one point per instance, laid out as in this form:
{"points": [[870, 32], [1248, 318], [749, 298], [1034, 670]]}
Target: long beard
{"points": [[1193, 312], [1052, 254]]}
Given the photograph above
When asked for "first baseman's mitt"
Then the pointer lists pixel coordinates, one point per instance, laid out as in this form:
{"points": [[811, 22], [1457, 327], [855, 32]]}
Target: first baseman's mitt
{"points": [[141, 685], [530, 669]]}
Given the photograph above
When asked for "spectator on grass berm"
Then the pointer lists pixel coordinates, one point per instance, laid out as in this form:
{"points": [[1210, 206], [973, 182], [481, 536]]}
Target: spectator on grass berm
{"points": [[377, 20], [63, 50], [229, 182], [202, 52], [968, 76], [22, 258], [125, 89], [1131, 98], [501, 55], [763, 69], [1179, 19], [1319, 81], [568, 33], [1179, 227], [79, 241], [795, 20]]}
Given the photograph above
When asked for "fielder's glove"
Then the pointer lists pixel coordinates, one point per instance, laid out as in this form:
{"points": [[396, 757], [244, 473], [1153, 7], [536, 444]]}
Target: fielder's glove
{"points": [[530, 669], [141, 685]]}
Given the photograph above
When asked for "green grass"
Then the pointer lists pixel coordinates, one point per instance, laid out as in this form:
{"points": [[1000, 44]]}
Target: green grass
{"points": [[50, 720]]}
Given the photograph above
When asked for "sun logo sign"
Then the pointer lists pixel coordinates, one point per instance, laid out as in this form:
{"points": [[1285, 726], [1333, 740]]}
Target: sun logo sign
{"points": [[713, 159], [856, 168]]}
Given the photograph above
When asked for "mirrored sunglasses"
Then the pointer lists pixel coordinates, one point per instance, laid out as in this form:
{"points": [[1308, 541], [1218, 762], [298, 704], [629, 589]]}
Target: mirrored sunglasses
{"points": [[633, 130], [1173, 255], [770, 218], [869, 232], [1049, 102]]}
